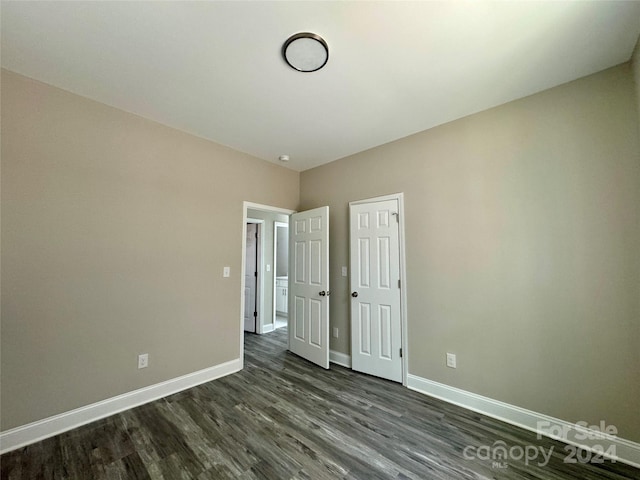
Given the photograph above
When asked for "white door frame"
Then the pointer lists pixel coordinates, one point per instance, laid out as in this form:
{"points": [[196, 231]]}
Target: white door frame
{"points": [[245, 207], [260, 269], [276, 225], [403, 275]]}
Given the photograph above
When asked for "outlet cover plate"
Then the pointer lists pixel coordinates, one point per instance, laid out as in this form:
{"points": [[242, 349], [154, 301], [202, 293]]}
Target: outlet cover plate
{"points": [[143, 360], [451, 360]]}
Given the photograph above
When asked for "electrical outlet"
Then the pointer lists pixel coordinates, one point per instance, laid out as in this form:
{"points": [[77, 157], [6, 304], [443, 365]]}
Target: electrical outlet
{"points": [[335, 332], [344, 271], [451, 360], [143, 360], [268, 267], [226, 272]]}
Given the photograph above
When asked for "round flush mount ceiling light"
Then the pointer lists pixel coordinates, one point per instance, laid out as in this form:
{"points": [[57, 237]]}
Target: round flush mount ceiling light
{"points": [[305, 52]]}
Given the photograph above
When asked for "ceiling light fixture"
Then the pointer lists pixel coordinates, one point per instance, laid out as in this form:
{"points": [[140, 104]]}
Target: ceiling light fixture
{"points": [[305, 52]]}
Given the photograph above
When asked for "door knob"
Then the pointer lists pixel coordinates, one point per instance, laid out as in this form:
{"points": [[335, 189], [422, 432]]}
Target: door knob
{"points": [[322, 293], [354, 294]]}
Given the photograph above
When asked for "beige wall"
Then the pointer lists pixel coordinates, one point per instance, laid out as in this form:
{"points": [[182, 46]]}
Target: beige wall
{"points": [[115, 231], [523, 258], [522, 248], [267, 258]]}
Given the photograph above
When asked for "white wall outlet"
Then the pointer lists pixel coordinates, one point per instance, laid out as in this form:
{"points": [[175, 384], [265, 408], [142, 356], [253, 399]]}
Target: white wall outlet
{"points": [[345, 272], [335, 332], [143, 360], [268, 267], [451, 360], [226, 272]]}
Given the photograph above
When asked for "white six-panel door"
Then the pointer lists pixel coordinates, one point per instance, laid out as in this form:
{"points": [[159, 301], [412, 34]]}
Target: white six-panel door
{"points": [[309, 285], [376, 325]]}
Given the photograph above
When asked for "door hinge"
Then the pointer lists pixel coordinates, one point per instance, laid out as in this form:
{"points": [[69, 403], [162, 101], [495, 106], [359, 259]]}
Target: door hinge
{"points": [[399, 284], [256, 234], [255, 314], [397, 215], [255, 274], [401, 353]]}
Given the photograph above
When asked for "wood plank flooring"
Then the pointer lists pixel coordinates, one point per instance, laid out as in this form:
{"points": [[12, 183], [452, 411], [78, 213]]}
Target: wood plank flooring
{"points": [[283, 418]]}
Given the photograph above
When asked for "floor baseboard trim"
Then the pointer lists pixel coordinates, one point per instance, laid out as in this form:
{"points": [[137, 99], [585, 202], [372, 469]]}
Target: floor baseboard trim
{"points": [[606, 445], [269, 327], [341, 359], [34, 432]]}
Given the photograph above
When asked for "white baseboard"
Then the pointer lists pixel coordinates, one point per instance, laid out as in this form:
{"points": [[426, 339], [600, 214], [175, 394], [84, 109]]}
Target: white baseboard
{"points": [[269, 327], [595, 441], [48, 427], [340, 358]]}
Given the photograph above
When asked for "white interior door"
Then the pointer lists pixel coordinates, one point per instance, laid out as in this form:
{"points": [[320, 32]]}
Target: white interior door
{"points": [[376, 331], [309, 285], [251, 278]]}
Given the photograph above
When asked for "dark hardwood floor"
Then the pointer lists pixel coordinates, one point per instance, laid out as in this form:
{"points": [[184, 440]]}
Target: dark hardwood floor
{"points": [[283, 418]]}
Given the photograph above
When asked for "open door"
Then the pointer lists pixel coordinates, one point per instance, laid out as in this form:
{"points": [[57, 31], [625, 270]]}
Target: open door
{"points": [[251, 279], [309, 285]]}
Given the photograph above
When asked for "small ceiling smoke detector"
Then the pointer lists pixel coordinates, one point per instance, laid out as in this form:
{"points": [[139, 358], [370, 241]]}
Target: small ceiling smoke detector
{"points": [[283, 158], [305, 52]]}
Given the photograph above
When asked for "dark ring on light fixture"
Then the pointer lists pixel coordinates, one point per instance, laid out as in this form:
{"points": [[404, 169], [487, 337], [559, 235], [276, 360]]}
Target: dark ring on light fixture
{"points": [[307, 35]]}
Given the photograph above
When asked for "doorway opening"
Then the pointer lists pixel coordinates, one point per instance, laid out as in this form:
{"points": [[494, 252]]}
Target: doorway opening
{"points": [[281, 274], [263, 304]]}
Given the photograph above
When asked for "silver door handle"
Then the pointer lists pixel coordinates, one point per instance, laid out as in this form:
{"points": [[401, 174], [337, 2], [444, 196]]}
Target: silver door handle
{"points": [[322, 293]]}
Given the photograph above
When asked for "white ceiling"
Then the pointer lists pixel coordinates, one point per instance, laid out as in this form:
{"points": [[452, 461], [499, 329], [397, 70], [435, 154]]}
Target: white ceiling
{"points": [[214, 69]]}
